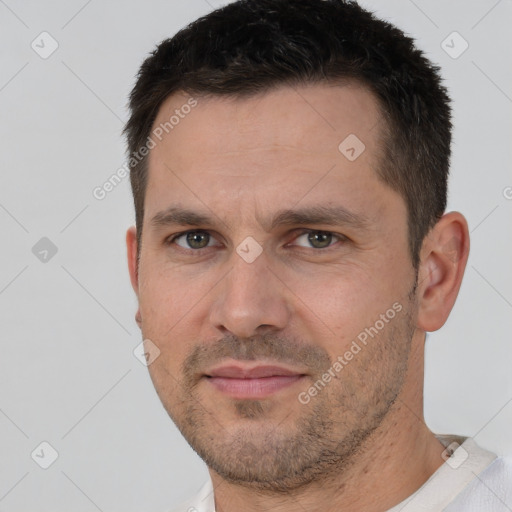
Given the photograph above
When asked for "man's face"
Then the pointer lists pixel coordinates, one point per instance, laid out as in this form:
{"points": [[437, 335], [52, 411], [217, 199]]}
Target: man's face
{"points": [[247, 326]]}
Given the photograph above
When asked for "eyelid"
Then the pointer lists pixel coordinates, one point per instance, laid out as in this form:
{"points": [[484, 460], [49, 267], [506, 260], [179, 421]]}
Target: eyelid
{"points": [[171, 239], [301, 231], [304, 231]]}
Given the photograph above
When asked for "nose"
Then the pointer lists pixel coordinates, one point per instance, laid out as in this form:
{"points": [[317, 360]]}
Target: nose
{"points": [[250, 300]]}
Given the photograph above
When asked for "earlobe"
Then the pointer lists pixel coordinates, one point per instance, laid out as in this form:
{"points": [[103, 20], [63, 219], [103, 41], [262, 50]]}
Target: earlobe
{"points": [[443, 260], [138, 318]]}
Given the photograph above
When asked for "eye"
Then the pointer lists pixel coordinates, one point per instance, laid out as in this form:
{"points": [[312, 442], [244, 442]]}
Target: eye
{"points": [[318, 239], [192, 240]]}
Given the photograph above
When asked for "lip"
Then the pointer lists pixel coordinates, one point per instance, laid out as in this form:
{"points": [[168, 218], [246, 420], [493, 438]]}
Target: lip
{"points": [[256, 382], [254, 372]]}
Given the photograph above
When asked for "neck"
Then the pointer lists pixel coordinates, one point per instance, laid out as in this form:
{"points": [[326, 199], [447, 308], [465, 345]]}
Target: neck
{"points": [[400, 455]]}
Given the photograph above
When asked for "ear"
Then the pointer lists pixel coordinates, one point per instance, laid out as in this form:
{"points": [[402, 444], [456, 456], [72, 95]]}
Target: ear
{"points": [[131, 249], [443, 259]]}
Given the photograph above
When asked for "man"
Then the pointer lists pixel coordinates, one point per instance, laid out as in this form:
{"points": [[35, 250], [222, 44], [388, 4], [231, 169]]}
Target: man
{"points": [[291, 250]]}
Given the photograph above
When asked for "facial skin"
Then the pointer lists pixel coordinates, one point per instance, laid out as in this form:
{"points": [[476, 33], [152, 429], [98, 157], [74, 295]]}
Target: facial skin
{"points": [[360, 442]]}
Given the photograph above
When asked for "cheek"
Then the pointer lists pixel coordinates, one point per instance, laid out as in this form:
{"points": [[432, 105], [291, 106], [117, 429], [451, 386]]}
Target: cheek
{"points": [[169, 297], [166, 307], [342, 304], [337, 295]]}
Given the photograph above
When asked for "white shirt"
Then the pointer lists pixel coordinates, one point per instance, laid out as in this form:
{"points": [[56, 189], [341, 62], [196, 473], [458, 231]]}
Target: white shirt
{"points": [[472, 479]]}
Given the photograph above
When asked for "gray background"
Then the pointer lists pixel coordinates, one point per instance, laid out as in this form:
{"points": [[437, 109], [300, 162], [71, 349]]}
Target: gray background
{"points": [[68, 375]]}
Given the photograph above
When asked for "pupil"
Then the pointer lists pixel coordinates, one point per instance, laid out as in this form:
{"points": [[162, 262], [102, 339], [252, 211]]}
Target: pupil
{"points": [[197, 239], [320, 239]]}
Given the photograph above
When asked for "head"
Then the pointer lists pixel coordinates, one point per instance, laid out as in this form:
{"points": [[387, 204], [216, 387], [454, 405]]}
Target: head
{"points": [[250, 47], [289, 212]]}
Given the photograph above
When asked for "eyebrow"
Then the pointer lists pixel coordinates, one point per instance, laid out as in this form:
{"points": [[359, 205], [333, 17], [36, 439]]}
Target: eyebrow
{"points": [[313, 215]]}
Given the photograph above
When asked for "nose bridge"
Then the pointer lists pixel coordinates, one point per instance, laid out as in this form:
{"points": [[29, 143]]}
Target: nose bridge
{"points": [[249, 297]]}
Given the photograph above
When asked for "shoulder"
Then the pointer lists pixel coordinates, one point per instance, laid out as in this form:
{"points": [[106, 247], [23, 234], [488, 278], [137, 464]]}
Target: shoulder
{"points": [[499, 473], [491, 490]]}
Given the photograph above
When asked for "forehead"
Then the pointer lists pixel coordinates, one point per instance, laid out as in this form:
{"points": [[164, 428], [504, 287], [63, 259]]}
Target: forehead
{"points": [[313, 117], [318, 140]]}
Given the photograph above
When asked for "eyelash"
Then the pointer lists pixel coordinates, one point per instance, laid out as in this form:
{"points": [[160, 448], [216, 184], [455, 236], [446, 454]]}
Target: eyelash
{"points": [[340, 238]]}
